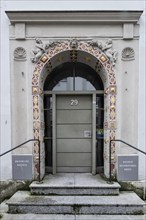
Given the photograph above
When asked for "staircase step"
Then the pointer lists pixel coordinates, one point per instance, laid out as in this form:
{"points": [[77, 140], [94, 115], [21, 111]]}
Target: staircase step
{"points": [[74, 184], [71, 217], [126, 203]]}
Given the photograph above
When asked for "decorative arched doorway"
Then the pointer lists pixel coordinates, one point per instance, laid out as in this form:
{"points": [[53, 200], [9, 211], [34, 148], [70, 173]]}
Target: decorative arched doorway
{"points": [[74, 52], [73, 113]]}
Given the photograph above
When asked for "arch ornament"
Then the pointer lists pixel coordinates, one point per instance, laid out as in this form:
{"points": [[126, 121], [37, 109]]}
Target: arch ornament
{"points": [[96, 58]]}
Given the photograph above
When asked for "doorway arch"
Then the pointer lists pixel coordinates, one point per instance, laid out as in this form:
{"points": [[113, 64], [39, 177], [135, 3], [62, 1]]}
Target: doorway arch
{"points": [[71, 82], [83, 52], [74, 70]]}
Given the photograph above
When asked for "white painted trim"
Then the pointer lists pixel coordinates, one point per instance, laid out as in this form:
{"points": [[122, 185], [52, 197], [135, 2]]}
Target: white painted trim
{"points": [[75, 16]]}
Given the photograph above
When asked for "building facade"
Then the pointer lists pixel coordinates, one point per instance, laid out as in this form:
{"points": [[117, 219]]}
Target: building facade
{"points": [[74, 85]]}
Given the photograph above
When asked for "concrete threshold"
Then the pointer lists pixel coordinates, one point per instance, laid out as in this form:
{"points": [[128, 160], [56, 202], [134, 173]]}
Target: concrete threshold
{"points": [[74, 180], [74, 184]]}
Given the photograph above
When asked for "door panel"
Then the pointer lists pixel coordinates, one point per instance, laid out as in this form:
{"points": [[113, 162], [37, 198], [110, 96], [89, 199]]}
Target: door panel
{"points": [[73, 130], [73, 159], [69, 102], [74, 116], [73, 145]]}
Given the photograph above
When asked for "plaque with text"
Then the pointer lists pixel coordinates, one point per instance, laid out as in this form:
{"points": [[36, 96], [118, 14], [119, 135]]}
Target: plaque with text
{"points": [[127, 168], [22, 167]]}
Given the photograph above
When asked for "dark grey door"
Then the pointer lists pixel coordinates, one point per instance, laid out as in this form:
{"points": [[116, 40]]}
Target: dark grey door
{"points": [[73, 133]]}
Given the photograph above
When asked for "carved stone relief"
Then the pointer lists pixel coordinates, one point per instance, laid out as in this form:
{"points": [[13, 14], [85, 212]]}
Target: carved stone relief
{"points": [[41, 48], [106, 47], [38, 51], [20, 53], [74, 44], [128, 54]]}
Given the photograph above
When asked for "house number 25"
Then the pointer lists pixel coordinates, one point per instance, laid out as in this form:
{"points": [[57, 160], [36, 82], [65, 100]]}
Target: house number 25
{"points": [[74, 102]]}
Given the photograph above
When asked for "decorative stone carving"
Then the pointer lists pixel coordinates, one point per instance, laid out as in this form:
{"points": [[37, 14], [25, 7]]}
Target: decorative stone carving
{"points": [[20, 53], [95, 43], [111, 54], [106, 48], [74, 44], [128, 54], [51, 44], [38, 52], [41, 48]]}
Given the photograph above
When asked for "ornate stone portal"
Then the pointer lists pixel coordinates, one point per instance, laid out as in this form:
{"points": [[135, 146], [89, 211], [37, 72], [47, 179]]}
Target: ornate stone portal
{"points": [[44, 65]]}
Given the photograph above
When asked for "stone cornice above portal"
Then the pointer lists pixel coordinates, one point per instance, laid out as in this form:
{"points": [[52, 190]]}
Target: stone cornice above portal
{"points": [[74, 16]]}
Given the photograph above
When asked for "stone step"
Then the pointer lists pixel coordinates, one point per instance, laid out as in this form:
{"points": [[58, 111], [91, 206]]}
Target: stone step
{"points": [[74, 184], [70, 217], [127, 203]]}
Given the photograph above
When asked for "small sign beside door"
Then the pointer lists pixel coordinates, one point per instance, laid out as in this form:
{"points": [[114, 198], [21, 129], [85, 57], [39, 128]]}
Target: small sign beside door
{"points": [[22, 167], [127, 168]]}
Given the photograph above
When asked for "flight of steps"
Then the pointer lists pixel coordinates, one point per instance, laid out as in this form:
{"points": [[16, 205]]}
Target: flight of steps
{"points": [[75, 196]]}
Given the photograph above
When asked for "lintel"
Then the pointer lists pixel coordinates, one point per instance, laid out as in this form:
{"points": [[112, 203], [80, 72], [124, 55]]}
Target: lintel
{"points": [[74, 16]]}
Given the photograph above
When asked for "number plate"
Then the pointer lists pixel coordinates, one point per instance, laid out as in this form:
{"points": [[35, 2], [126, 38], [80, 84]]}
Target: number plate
{"points": [[74, 102]]}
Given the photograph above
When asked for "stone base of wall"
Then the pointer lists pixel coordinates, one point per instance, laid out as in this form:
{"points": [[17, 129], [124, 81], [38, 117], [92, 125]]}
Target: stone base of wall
{"points": [[139, 187], [9, 187]]}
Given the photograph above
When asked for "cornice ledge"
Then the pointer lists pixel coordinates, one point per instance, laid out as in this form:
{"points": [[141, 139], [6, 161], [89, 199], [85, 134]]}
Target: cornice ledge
{"points": [[74, 16]]}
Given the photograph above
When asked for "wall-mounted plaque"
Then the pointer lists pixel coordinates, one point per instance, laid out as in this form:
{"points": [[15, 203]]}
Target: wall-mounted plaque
{"points": [[127, 167], [22, 167], [87, 134]]}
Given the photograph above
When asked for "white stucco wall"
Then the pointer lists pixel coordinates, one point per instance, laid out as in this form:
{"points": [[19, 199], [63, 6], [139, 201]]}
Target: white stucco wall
{"points": [[5, 142], [142, 98], [5, 110]]}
